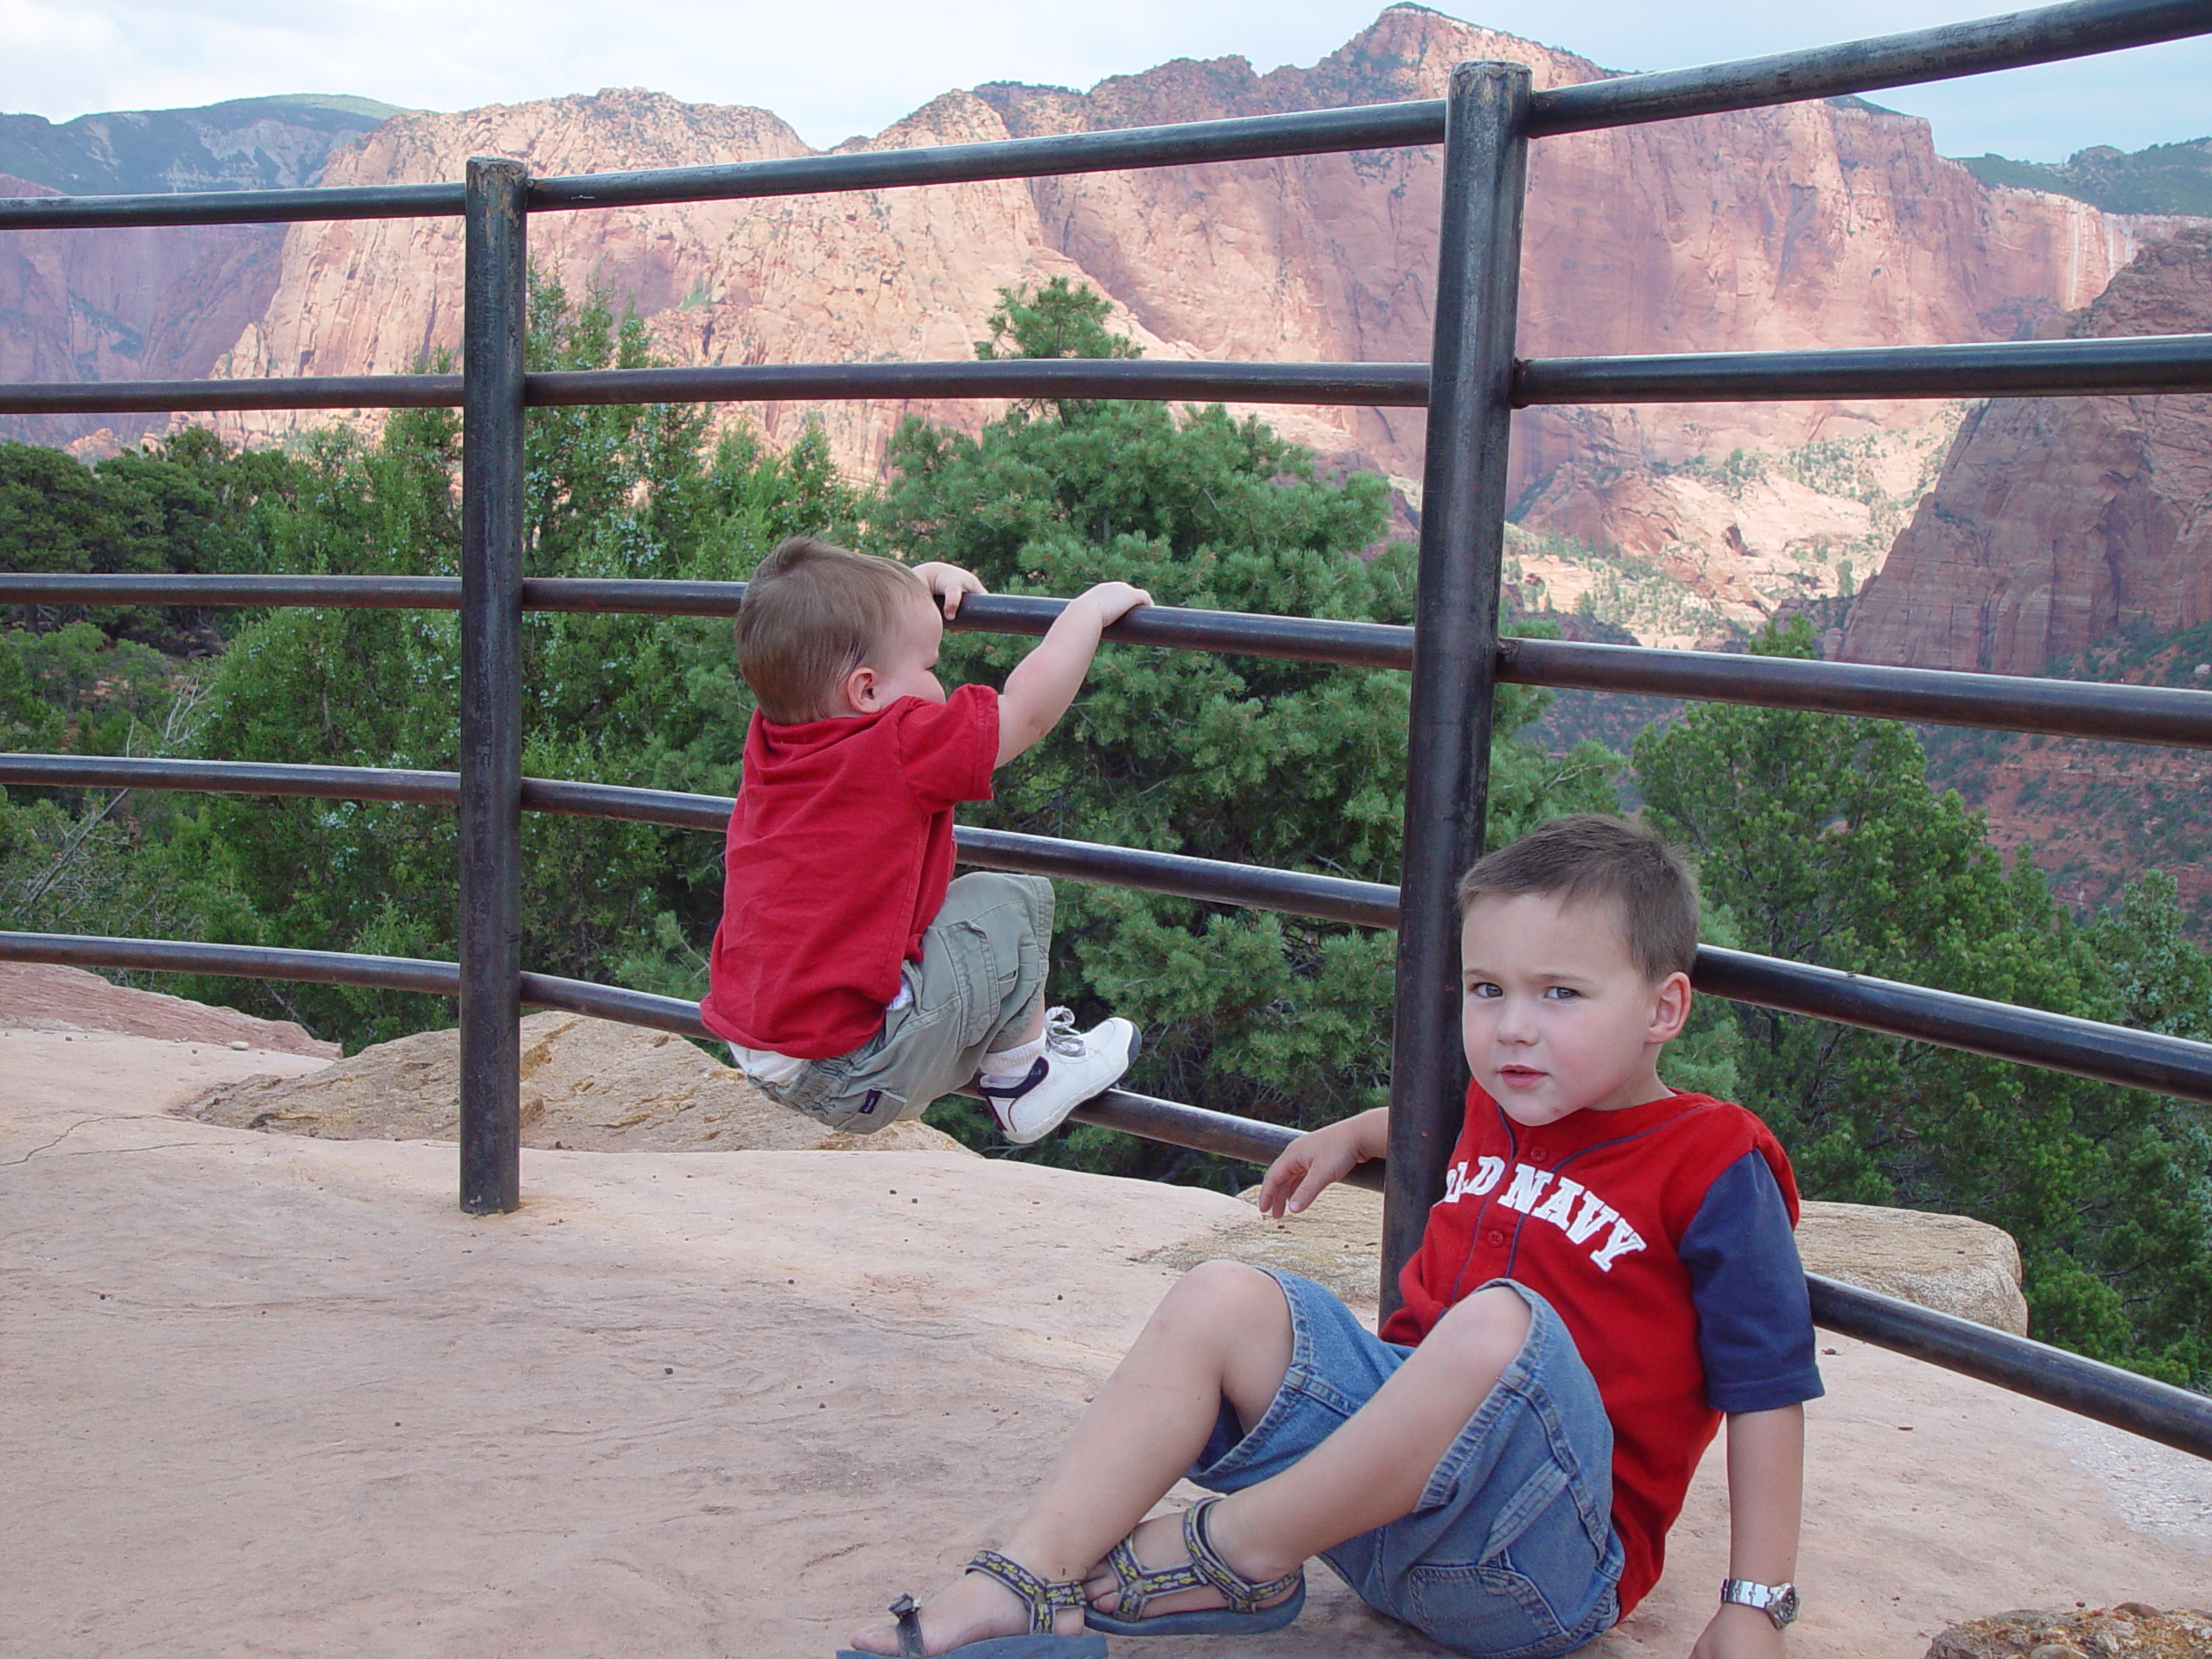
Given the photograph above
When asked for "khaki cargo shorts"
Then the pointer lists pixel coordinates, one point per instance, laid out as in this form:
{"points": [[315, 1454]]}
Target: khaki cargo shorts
{"points": [[982, 976]]}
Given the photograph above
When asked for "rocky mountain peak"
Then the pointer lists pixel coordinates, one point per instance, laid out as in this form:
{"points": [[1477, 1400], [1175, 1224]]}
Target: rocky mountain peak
{"points": [[249, 143]]}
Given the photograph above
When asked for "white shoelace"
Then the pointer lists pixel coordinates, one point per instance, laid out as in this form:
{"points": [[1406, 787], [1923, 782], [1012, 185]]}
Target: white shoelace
{"points": [[1060, 1034]]}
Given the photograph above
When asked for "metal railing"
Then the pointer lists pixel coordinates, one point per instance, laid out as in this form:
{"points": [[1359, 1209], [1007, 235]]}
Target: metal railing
{"points": [[1455, 652]]}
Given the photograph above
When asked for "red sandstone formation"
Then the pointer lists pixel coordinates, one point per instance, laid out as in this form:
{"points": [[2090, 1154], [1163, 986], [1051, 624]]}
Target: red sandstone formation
{"points": [[123, 305], [2058, 520], [1832, 222]]}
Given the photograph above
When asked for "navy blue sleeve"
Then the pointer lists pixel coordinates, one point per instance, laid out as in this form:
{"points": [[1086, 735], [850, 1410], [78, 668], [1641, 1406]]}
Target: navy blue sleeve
{"points": [[1754, 1319]]}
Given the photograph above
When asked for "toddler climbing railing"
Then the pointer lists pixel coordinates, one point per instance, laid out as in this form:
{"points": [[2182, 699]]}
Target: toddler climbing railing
{"points": [[1454, 654]]}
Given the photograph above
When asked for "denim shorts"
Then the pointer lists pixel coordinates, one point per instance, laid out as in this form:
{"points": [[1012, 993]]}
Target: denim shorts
{"points": [[1510, 1553], [980, 976]]}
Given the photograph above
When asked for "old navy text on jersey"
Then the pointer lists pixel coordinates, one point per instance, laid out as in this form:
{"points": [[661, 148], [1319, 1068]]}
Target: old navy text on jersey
{"points": [[1568, 1205]]}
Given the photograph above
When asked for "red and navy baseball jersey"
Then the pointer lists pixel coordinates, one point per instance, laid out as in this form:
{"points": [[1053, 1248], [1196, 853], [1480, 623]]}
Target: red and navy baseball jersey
{"points": [[1663, 1234]]}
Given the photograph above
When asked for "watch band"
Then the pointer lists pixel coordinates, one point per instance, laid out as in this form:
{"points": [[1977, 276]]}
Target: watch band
{"points": [[1777, 1601]]}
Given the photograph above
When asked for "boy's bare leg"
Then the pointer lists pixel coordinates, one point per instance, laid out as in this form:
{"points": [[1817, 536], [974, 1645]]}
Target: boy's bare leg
{"points": [[1369, 1471], [1223, 1332]]}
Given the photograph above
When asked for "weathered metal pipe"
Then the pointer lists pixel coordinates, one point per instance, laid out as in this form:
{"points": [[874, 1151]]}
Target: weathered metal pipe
{"points": [[497, 272]]}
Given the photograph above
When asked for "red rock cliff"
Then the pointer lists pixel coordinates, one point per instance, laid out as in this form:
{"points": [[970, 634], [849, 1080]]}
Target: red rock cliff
{"points": [[1834, 223], [123, 305], [2057, 520], [1827, 222]]}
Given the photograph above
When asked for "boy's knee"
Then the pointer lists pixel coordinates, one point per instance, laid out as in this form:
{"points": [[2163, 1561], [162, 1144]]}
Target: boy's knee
{"points": [[1237, 1320], [1487, 1329], [1227, 1297]]}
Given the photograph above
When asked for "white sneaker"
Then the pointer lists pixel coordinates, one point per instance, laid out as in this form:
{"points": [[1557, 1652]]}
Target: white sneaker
{"points": [[1075, 1065]]}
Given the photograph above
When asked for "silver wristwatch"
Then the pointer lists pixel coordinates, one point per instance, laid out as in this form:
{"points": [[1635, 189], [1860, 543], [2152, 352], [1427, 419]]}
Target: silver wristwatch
{"points": [[1777, 1601]]}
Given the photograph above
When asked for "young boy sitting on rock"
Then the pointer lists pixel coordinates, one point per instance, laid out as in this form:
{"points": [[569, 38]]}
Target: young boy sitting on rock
{"points": [[1610, 1271], [853, 978]]}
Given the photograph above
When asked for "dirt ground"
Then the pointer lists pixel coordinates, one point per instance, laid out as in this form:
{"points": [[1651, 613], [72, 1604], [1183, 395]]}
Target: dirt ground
{"points": [[274, 1394]]}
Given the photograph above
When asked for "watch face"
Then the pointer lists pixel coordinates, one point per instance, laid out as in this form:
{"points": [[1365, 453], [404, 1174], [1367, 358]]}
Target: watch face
{"points": [[1783, 1609]]}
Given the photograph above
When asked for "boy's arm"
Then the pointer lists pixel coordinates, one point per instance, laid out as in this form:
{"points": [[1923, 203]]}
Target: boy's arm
{"points": [[1045, 682], [1312, 1161], [948, 584], [1766, 1486]]}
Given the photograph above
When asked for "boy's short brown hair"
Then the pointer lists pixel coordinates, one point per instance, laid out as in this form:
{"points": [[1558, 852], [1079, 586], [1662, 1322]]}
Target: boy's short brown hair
{"points": [[1594, 856], [812, 612]]}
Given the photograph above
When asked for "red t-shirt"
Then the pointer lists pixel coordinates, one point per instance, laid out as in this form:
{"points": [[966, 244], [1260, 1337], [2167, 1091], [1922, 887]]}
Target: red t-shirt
{"points": [[839, 854], [1591, 1212]]}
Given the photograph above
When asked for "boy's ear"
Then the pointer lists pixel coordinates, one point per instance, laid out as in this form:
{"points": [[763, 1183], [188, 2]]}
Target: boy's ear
{"points": [[1670, 1008], [860, 691]]}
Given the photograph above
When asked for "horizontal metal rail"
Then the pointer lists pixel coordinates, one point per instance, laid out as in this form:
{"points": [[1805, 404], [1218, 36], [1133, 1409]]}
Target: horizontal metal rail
{"points": [[2156, 1410], [1377, 126], [2045, 35], [2001, 1030], [216, 397], [1315, 639], [2055, 1042], [1136, 379], [342, 593], [1293, 893], [1243, 138], [1394, 385], [2012, 40], [1132, 1113], [2114, 713], [2139, 365], [1368, 904], [296, 205]]}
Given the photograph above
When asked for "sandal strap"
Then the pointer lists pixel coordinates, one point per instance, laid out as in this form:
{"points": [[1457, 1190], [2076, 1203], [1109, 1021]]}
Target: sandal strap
{"points": [[1042, 1597], [1139, 1585], [1135, 1584], [910, 1627], [1243, 1595]]}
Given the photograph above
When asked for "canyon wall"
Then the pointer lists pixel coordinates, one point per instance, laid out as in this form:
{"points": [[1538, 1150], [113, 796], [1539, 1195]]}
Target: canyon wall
{"points": [[1829, 222], [905, 274], [148, 304], [123, 305], [1832, 223], [2057, 520]]}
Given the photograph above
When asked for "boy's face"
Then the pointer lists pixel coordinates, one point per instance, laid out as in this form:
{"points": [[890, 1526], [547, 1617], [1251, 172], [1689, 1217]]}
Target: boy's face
{"points": [[903, 665], [1557, 1016]]}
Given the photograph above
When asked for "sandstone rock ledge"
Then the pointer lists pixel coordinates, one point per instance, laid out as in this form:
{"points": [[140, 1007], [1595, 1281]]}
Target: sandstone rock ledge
{"points": [[2130, 1631], [588, 1085], [1951, 1263], [274, 1394], [47, 996]]}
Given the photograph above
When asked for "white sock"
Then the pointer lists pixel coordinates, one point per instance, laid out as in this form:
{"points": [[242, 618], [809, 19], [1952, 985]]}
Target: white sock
{"points": [[1010, 1065]]}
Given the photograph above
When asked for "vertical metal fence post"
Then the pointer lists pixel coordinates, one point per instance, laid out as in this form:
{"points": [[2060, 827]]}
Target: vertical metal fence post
{"points": [[490, 689], [1455, 636]]}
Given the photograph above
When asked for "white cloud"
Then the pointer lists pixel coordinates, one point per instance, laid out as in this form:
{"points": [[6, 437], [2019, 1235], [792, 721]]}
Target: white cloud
{"points": [[833, 67], [33, 30]]}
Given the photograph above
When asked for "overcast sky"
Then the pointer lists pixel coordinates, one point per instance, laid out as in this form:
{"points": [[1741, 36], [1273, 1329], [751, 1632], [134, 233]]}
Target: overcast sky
{"points": [[836, 68]]}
